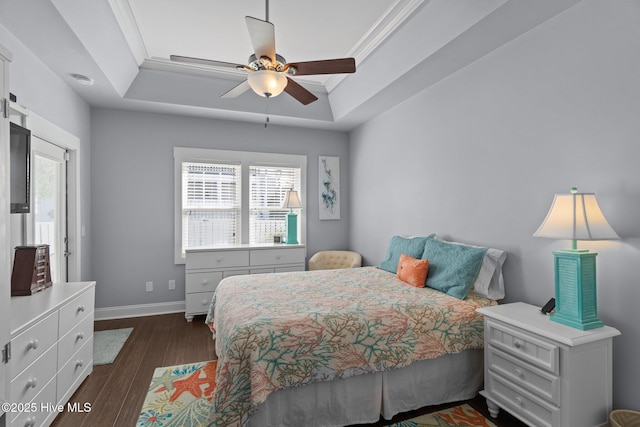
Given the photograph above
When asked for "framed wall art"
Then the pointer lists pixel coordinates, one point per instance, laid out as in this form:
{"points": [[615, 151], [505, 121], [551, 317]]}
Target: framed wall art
{"points": [[329, 187]]}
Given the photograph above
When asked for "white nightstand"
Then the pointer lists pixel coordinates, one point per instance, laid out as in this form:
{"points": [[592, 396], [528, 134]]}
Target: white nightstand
{"points": [[545, 373]]}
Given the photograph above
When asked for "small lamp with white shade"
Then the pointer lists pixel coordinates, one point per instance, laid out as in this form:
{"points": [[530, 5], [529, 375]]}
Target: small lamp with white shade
{"points": [[291, 202], [576, 216]]}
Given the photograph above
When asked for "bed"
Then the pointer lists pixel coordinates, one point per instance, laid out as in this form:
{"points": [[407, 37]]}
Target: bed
{"points": [[341, 347]]}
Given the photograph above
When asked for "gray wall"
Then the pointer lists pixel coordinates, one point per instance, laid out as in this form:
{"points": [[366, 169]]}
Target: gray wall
{"points": [[133, 191], [40, 90], [479, 156]]}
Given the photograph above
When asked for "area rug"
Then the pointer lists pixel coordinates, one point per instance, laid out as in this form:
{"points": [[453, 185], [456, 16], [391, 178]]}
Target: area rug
{"points": [[181, 396], [107, 344], [458, 416]]}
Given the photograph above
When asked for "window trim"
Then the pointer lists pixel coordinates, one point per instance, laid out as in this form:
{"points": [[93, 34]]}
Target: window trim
{"points": [[246, 159]]}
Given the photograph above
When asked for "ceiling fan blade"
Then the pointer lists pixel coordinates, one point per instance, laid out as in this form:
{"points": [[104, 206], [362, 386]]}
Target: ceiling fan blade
{"points": [[327, 66], [200, 61], [263, 37], [237, 90], [298, 92]]}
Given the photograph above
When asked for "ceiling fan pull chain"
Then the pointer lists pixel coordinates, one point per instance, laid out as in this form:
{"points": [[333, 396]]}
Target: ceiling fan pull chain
{"points": [[266, 111]]}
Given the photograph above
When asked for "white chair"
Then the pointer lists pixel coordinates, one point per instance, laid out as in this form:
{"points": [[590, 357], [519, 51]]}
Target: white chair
{"points": [[329, 260]]}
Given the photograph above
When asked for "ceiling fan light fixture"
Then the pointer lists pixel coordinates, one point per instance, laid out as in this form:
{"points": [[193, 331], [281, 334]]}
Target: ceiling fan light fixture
{"points": [[267, 82]]}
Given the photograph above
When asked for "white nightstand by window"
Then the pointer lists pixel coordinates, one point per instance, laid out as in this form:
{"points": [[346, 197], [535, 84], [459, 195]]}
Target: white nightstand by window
{"points": [[545, 373]]}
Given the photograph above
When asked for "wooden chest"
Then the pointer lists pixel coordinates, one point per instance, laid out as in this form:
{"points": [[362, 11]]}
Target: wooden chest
{"points": [[31, 270]]}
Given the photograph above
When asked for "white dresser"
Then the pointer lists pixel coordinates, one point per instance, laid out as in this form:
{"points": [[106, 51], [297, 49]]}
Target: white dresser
{"points": [[51, 350], [205, 268], [545, 373]]}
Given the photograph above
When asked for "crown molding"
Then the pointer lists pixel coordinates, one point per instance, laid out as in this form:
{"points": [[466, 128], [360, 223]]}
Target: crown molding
{"points": [[393, 18], [126, 19]]}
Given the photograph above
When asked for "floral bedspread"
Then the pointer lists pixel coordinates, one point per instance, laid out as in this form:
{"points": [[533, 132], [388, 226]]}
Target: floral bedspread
{"points": [[276, 331]]}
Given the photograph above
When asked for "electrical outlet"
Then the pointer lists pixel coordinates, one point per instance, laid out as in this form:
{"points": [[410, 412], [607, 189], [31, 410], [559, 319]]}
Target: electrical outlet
{"points": [[172, 285], [149, 286]]}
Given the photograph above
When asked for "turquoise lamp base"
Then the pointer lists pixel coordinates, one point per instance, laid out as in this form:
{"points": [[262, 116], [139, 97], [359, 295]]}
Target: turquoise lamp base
{"points": [[292, 229], [576, 293]]}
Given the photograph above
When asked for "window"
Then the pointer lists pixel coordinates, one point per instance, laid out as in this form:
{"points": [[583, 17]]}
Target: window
{"points": [[210, 204], [268, 186], [230, 198]]}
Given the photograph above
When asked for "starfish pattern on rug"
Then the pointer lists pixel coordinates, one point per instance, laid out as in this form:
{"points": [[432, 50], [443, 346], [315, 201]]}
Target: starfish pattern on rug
{"points": [[165, 382]]}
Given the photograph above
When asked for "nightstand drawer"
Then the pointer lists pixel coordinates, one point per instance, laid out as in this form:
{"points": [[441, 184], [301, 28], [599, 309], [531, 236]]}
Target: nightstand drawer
{"points": [[277, 256], [526, 376], [216, 259], [203, 282], [520, 402], [523, 345]]}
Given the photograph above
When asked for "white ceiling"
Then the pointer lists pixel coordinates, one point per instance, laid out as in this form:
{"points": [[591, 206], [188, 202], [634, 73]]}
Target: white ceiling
{"points": [[401, 47]]}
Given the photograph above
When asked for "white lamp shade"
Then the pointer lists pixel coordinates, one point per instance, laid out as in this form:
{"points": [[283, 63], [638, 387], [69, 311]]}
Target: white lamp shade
{"points": [[576, 216], [269, 82], [291, 200]]}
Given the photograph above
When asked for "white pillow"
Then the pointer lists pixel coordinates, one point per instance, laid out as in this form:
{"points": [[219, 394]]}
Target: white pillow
{"points": [[490, 282]]}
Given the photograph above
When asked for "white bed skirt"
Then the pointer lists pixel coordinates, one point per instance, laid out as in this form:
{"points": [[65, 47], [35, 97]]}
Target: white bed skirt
{"points": [[363, 398]]}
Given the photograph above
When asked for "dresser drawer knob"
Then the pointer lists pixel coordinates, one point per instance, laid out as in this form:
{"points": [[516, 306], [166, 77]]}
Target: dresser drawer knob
{"points": [[32, 344], [32, 383], [205, 281], [30, 422], [518, 344], [278, 256], [219, 259], [518, 400], [205, 302], [80, 308], [80, 336], [79, 363], [518, 372]]}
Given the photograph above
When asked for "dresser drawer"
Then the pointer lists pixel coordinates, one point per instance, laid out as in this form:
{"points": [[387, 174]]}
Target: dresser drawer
{"points": [[537, 351], [520, 402], [32, 380], [198, 303], [74, 339], [46, 396], [537, 381], [277, 256], [203, 282], [216, 259], [76, 368], [76, 310], [32, 343]]}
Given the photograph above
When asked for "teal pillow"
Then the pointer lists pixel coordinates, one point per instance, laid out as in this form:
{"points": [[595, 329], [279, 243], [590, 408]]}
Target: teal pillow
{"points": [[413, 247], [452, 268]]}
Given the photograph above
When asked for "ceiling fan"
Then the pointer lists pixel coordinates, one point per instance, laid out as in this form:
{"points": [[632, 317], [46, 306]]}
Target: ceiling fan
{"points": [[269, 73]]}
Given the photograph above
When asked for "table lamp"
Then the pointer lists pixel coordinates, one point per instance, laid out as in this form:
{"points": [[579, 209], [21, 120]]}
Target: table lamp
{"points": [[576, 216], [291, 202]]}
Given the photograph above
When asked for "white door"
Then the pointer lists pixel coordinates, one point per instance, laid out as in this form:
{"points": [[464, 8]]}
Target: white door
{"points": [[49, 203], [5, 275]]}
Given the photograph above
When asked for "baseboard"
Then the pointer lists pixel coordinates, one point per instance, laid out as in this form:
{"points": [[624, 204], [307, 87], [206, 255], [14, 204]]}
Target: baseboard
{"points": [[139, 310]]}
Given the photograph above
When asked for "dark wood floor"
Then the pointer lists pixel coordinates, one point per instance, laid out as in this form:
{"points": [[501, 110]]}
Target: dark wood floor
{"points": [[116, 391]]}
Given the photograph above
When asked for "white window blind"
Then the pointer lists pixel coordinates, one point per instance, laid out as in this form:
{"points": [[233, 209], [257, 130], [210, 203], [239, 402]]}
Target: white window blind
{"points": [[267, 188], [211, 201]]}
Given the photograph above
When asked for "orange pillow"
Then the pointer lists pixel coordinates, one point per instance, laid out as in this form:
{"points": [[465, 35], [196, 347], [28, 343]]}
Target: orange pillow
{"points": [[412, 270]]}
